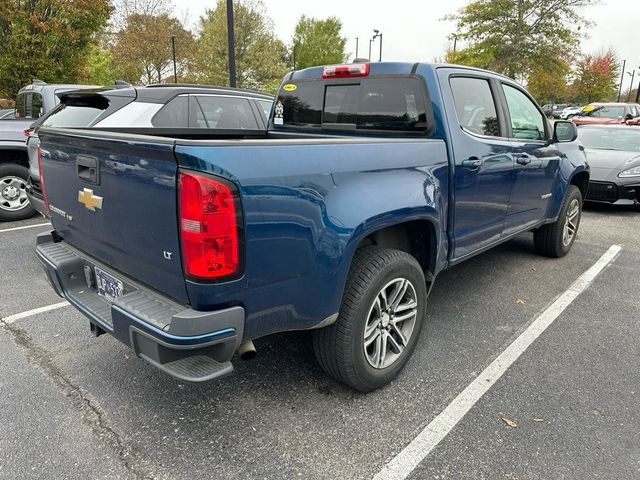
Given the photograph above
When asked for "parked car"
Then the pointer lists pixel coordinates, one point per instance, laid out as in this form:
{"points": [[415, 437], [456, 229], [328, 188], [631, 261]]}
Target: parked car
{"points": [[570, 112], [609, 114], [180, 108], [32, 101], [613, 152], [557, 110], [370, 180]]}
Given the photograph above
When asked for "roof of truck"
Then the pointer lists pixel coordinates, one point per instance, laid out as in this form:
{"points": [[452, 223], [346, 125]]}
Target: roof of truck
{"points": [[389, 68]]}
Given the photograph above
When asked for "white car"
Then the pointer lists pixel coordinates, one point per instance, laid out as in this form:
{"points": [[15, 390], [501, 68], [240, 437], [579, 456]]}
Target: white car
{"points": [[569, 112]]}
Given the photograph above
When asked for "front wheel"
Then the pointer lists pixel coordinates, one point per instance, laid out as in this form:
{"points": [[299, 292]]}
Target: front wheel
{"points": [[14, 204], [379, 322], [556, 239]]}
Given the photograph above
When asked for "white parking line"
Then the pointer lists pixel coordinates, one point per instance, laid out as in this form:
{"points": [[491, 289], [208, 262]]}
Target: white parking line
{"points": [[23, 227], [18, 316], [410, 457]]}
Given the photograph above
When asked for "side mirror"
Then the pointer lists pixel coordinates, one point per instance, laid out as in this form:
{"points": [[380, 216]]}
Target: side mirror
{"points": [[628, 116], [564, 132]]}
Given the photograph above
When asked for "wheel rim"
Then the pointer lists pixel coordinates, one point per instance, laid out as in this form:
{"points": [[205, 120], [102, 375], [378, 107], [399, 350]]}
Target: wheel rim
{"points": [[571, 222], [13, 193], [390, 323]]}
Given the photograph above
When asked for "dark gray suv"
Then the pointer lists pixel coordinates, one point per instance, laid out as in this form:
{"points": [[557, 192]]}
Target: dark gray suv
{"points": [[180, 110]]}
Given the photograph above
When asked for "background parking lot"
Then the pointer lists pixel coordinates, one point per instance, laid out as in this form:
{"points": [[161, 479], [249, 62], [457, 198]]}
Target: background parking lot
{"points": [[74, 406]]}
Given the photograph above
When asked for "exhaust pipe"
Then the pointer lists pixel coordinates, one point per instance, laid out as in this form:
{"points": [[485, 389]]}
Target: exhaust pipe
{"points": [[247, 350]]}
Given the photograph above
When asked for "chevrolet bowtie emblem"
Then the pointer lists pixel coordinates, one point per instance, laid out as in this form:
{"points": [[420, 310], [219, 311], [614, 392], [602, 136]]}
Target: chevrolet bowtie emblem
{"points": [[89, 200]]}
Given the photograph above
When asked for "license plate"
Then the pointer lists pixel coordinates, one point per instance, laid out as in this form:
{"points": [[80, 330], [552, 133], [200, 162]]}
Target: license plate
{"points": [[108, 286]]}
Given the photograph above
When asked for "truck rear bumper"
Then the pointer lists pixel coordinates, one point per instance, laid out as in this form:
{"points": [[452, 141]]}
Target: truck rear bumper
{"points": [[187, 344]]}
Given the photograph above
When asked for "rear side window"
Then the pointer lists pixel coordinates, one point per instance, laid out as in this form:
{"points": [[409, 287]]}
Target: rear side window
{"points": [[475, 106], [174, 114], [227, 113], [266, 105], [393, 104]]}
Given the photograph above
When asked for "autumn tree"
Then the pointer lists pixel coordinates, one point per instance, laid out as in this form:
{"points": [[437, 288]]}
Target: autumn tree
{"points": [[143, 49], [547, 82], [47, 39], [318, 42], [514, 36], [261, 58], [596, 77]]}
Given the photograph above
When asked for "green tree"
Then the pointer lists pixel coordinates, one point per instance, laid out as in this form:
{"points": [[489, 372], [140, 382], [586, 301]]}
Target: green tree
{"points": [[318, 42], [143, 48], [99, 67], [514, 36], [261, 58], [596, 77], [47, 39]]}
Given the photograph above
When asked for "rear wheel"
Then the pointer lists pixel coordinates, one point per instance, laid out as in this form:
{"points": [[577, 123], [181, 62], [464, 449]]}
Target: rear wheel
{"points": [[379, 321], [556, 239], [14, 204]]}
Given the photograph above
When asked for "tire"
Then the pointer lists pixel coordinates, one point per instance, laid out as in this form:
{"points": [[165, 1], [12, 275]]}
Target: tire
{"points": [[555, 239], [14, 204], [340, 347]]}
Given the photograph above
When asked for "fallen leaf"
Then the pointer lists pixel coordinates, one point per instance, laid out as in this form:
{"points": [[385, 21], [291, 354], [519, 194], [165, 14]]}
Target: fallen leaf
{"points": [[509, 422], [519, 301], [538, 420]]}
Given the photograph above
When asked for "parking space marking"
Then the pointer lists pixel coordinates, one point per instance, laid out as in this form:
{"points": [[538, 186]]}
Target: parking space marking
{"points": [[18, 316], [417, 450], [24, 227]]}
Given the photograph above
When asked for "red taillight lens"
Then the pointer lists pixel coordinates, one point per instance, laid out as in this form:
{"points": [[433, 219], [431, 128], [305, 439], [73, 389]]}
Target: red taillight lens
{"points": [[353, 70], [41, 172], [208, 226]]}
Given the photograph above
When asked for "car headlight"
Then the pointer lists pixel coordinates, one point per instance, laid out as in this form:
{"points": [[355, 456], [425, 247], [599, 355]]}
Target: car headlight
{"points": [[632, 172]]}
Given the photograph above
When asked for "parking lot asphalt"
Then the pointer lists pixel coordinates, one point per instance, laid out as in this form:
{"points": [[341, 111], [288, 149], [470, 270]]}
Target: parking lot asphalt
{"points": [[74, 406]]}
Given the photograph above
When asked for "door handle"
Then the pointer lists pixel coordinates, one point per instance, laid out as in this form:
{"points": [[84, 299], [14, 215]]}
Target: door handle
{"points": [[523, 159], [472, 163]]}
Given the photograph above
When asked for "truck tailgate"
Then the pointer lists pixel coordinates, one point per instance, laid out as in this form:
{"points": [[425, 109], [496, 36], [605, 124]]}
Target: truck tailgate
{"points": [[114, 198]]}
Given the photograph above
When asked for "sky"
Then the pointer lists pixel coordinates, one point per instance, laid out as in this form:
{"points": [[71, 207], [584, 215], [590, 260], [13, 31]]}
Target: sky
{"points": [[413, 30]]}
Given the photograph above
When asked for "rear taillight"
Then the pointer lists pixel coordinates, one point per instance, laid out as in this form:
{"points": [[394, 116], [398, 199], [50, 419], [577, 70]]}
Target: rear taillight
{"points": [[41, 172], [208, 226], [339, 71]]}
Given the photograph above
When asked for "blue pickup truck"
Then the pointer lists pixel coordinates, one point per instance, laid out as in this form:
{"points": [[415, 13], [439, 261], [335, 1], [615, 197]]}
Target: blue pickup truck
{"points": [[370, 180]]}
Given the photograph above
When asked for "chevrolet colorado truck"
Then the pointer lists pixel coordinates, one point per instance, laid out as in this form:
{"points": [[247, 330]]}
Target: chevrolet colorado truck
{"points": [[369, 181]]}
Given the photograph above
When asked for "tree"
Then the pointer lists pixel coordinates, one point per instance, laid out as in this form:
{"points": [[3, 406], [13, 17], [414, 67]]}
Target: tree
{"points": [[125, 8], [318, 42], [261, 58], [143, 48], [514, 36], [47, 39], [596, 77], [548, 83], [100, 68]]}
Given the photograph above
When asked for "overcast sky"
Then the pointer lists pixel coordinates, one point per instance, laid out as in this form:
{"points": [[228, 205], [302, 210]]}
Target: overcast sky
{"points": [[413, 29]]}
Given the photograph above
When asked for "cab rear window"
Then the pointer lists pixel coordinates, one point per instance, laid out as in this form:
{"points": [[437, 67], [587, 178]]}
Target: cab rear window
{"points": [[389, 104]]}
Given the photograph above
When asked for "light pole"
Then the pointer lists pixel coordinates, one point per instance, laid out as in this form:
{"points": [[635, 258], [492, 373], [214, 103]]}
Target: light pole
{"points": [[455, 42], [633, 75], [231, 44], [376, 35], [370, 41], [356, 47], [175, 69], [624, 64]]}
